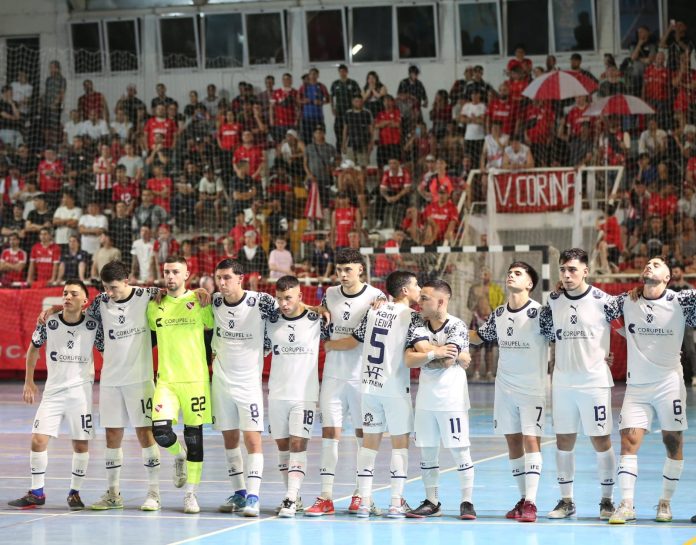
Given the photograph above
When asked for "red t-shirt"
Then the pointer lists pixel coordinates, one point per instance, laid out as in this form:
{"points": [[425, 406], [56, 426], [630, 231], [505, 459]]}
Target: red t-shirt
{"points": [[193, 268], [408, 222], [525, 63], [442, 216], [91, 102], [386, 263], [252, 154], [207, 261], [543, 124], [501, 111], [284, 103], [657, 82], [50, 176], [684, 97], [395, 183], [44, 258], [612, 232], [126, 193], [230, 136], [436, 183], [11, 257], [691, 167], [662, 206], [166, 127], [576, 117], [156, 184], [389, 136], [237, 235], [345, 221]]}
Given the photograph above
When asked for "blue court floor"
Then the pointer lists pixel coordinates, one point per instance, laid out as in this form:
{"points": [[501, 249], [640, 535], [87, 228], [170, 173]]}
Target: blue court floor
{"points": [[494, 494]]}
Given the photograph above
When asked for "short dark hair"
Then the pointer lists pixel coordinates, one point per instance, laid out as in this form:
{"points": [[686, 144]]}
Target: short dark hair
{"points": [[576, 57], [439, 285], [287, 282], [176, 259], [113, 271], [398, 280], [344, 256], [526, 267], [228, 263], [574, 253], [665, 260], [77, 282]]}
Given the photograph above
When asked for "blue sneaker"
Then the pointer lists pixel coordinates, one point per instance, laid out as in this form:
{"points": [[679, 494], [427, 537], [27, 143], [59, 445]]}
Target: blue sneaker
{"points": [[234, 504], [252, 507]]}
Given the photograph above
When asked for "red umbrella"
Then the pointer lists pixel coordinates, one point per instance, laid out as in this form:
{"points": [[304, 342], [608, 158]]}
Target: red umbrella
{"points": [[556, 85], [587, 82], [619, 105], [313, 208]]}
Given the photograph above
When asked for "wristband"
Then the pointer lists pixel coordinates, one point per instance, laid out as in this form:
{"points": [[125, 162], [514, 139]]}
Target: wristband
{"points": [[431, 356]]}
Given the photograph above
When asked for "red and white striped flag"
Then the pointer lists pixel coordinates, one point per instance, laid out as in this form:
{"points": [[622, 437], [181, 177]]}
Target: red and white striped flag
{"points": [[313, 208]]}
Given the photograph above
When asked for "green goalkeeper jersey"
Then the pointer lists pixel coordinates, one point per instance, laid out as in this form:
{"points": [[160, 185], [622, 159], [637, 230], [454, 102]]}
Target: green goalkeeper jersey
{"points": [[179, 323]]}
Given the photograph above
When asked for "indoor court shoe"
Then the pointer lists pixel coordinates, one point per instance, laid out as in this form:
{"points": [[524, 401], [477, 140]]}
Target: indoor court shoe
{"points": [[664, 511], [287, 509], [321, 507], [466, 511], [516, 511], [693, 519], [355, 501], [365, 511], [252, 507], [108, 501], [180, 474], [398, 511], [623, 514], [528, 512], [564, 508], [152, 501], [191, 504], [234, 504], [425, 510], [298, 506], [606, 509], [28, 501], [75, 502]]}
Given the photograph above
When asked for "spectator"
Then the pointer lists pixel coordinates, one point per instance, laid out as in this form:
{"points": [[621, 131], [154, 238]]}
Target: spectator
{"points": [[210, 195], [388, 125], [10, 117], [53, 103], [277, 219], [192, 261], [193, 105], [10, 186], [373, 93], [343, 92], [313, 95], [236, 233], [493, 147], [473, 114], [500, 109], [414, 87], [351, 180], [207, 257], [322, 257], [655, 236], [264, 98], [610, 245], [477, 83], [161, 187], [50, 171], [677, 42], [80, 165], [252, 154], [72, 128], [440, 114], [457, 92], [253, 260], [280, 262], [160, 125], [211, 100], [94, 128], [344, 218], [517, 156], [245, 96], [357, 133], [423, 188], [106, 253], [184, 199], [44, 259], [165, 246], [91, 226], [73, 261], [685, 241], [283, 109], [243, 187], [103, 168], [143, 266], [40, 217], [684, 85], [394, 192], [520, 62], [65, 219], [122, 126], [540, 124], [319, 163], [161, 98], [292, 151], [22, 92], [443, 216], [612, 84], [121, 231], [576, 68], [387, 263], [516, 84], [125, 189], [483, 355], [409, 111], [228, 138], [416, 147], [15, 223], [687, 204], [656, 88], [354, 239], [148, 213], [13, 261], [653, 140], [131, 104]]}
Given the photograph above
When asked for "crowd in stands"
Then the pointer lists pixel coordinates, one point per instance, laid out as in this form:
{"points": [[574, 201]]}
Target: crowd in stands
{"points": [[84, 183]]}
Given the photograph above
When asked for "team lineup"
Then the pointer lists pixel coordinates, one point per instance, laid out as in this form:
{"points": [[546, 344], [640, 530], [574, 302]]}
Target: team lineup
{"points": [[371, 342]]}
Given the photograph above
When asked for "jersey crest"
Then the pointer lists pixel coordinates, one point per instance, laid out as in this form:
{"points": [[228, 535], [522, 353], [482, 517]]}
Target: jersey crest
{"points": [[139, 291], [555, 295], [91, 325], [499, 311], [596, 294], [53, 324], [251, 301], [532, 312]]}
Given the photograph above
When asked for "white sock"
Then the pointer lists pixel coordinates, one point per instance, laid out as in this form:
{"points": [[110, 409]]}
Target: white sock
{"points": [[114, 461], [79, 469], [296, 473], [398, 468], [283, 459], [671, 472], [235, 468], [606, 469], [190, 488], [366, 469], [430, 471], [565, 468], [627, 475], [465, 470], [329, 459], [359, 444], [518, 474], [532, 470], [38, 462], [151, 461], [254, 473]]}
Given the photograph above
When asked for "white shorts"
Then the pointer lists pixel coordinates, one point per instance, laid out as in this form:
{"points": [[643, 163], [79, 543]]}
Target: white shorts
{"points": [[289, 417], [666, 399], [232, 414], [121, 405], [75, 404], [338, 398], [515, 412], [452, 427], [591, 406], [392, 414]]}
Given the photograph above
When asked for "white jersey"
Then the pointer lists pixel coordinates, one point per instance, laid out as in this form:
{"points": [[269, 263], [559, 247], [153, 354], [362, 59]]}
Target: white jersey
{"points": [[523, 350], [238, 338], [443, 389], [69, 359], [654, 333], [294, 343], [384, 333], [581, 331], [346, 313], [127, 339]]}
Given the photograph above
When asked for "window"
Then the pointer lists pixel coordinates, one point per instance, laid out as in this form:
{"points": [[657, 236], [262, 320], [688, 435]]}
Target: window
{"points": [[86, 46], [179, 42], [265, 38], [123, 45], [634, 14], [683, 10], [325, 35], [135, 4], [416, 32], [527, 24], [573, 25], [224, 40], [371, 36], [479, 31]]}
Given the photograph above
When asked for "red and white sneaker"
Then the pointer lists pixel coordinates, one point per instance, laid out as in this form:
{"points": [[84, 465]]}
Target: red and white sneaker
{"points": [[354, 504], [516, 511], [321, 507], [528, 512]]}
